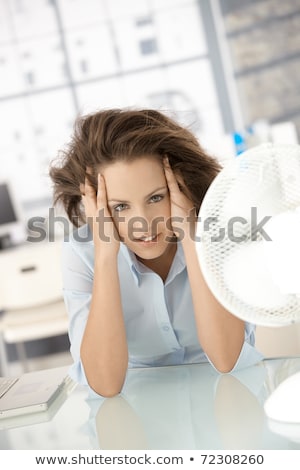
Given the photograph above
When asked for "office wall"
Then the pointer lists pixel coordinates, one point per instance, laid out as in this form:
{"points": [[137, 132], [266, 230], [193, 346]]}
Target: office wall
{"points": [[263, 37]]}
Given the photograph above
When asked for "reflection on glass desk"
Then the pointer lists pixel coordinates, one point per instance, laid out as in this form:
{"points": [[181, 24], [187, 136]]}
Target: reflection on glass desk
{"points": [[174, 407]]}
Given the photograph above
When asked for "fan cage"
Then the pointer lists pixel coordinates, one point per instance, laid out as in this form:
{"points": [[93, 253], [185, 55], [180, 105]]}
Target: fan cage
{"points": [[244, 186]]}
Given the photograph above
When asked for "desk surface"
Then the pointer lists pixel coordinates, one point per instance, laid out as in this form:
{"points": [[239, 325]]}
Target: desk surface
{"points": [[179, 407]]}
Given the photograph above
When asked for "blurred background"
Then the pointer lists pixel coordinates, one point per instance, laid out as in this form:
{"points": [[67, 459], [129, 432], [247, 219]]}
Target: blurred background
{"points": [[227, 69]]}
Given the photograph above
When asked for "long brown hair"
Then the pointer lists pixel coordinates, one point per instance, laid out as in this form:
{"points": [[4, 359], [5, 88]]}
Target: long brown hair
{"points": [[120, 134]]}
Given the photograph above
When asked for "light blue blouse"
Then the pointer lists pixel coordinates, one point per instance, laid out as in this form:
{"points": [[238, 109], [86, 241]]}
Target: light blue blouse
{"points": [[159, 317]]}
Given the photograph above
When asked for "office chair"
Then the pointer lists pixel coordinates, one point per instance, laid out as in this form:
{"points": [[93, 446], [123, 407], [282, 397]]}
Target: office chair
{"points": [[30, 297]]}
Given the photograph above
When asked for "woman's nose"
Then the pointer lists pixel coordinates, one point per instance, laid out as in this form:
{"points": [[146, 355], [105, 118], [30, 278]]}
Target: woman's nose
{"points": [[146, 219], [141, 221]]}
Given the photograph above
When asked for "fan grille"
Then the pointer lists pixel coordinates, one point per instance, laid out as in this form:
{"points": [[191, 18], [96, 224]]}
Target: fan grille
{"points": [[232, 229]]}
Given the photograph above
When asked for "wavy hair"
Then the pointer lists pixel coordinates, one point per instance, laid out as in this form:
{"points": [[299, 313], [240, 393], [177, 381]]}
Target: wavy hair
{"points": [[108, 136]]}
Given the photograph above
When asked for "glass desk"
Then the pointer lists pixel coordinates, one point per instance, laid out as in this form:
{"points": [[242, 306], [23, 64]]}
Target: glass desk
{"points": [[178, 407]]}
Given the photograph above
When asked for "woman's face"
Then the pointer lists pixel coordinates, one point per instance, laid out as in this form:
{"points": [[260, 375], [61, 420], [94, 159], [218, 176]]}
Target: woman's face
{"points": [[138, 199]]}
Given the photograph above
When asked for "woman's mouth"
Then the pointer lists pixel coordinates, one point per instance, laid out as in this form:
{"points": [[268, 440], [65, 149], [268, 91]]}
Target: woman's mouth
{"points": [[147, 240]]}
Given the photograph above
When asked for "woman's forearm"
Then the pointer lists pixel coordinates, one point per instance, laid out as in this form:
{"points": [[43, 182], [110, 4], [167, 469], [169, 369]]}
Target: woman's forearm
{"points": [[104, 351], [220, 333]]}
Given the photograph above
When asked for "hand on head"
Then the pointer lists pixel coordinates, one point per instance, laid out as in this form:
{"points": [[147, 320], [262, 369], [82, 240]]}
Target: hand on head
{"points": [[183, 214], [98, 215]]}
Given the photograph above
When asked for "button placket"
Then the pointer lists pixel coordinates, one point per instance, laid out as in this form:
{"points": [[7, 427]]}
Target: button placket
{"points": [[163, 319]]}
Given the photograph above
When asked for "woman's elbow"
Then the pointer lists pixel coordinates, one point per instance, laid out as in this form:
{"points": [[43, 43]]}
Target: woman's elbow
{"points": [[225, 364], [105, 390]]}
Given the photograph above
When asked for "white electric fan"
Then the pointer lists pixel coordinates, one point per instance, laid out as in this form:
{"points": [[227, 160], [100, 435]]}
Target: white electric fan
{"points": [[249, 247]]}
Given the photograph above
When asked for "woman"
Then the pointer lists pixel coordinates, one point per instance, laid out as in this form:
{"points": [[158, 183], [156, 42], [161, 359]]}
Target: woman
{"points": [[133, 182]]}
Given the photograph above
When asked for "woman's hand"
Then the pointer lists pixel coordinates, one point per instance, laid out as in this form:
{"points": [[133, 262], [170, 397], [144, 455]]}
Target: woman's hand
{"points": [[98, 216], [183, 213]]}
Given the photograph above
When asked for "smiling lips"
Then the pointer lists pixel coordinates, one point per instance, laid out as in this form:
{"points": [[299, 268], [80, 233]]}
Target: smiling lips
{"points": [[147, 240]]}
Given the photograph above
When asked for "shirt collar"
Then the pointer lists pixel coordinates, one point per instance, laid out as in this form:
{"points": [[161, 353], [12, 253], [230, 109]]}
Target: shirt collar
{"points": [[138, 269], [134, 265], [178, 264]]}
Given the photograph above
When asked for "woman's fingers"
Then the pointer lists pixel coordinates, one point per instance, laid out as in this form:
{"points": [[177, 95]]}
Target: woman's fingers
{"points": [[101, 194], [106, 225], [170, 177], [97, 214], [94, 200], [88, 195]]}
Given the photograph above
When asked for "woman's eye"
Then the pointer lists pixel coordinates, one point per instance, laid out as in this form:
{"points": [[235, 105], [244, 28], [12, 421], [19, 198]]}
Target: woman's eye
{"points": [[120, 207], [156, 198]]}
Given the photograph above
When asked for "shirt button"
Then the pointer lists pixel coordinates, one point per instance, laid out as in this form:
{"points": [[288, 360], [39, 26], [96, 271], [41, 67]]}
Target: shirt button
{"points": [[166, 328]]}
